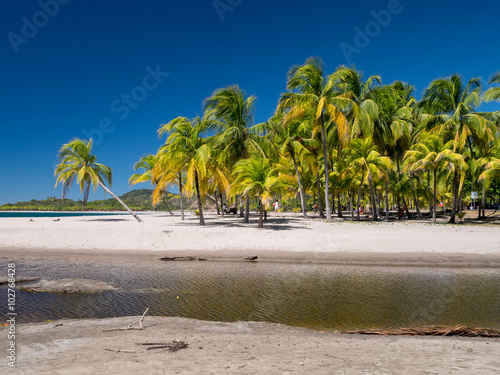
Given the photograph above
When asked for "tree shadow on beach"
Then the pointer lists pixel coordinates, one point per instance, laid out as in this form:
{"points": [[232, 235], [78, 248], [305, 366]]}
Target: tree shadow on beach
{"points": [[272, 223]]}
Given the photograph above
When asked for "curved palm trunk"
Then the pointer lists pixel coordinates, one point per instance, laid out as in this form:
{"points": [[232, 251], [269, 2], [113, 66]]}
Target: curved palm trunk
{"points": [[359, 195], [325, 160], [301, 189], [121, 202], [320, 201], [434, 198], [167, 206], [180, 196], [198, 196]]}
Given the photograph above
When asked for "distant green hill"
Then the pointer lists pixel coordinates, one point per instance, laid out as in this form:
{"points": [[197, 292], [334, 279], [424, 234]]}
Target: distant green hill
{"points": [[138, 200]]}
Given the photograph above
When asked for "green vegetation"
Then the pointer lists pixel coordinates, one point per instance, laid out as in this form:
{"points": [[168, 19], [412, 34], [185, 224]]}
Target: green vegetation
{"points": [[138, 200], [335, 139]]}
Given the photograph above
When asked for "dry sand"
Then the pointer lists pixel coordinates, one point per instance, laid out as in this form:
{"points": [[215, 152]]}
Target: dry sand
{"points": [[77, 347], [283, 238]]}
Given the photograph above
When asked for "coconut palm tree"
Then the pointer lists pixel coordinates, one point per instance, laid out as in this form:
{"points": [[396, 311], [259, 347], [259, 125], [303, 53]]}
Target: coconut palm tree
{"points": [[363, 159], [349, 81], [77, 163], [311, 94], [493, 93], [168, 170], [252, 177], [431, 155], [147, 164], [231, 113], [185, 141], [453, 104]]}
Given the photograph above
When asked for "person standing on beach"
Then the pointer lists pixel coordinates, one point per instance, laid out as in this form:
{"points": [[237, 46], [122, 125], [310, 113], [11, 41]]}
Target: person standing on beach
{"points": [[276, 207]]}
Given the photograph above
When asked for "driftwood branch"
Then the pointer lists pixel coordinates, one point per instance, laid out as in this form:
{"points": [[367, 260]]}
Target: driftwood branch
{"points": [[119, 350], [130, 325]]}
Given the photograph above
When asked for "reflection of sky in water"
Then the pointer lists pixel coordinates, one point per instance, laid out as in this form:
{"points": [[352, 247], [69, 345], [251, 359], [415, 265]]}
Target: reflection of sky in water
{"points": [[316, 296]]}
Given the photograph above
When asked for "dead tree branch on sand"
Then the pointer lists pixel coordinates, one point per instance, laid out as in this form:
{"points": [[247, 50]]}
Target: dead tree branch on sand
{"points": [[130, 325]]}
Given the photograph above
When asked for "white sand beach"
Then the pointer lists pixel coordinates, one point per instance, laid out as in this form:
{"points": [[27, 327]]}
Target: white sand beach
{"points": [[78, 346], [285, 237]]}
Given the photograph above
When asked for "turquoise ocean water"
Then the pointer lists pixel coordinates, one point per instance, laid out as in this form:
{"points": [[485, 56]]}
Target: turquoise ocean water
{"points": [[54, 214]]}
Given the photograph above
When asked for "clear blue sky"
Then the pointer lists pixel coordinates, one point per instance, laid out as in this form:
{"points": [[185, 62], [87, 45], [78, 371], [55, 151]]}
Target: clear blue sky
{"points": [[68, 66]]}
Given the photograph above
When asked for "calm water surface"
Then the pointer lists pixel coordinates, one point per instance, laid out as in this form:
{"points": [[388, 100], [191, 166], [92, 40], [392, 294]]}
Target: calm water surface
{"points": [[306, 295]]}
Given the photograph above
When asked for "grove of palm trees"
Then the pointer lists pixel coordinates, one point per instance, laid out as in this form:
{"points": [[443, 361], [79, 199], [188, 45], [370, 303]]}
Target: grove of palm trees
{"points": [[340, 141]]}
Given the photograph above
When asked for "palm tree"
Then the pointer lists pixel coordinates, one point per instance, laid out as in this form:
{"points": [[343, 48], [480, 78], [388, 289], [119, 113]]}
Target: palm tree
{"points": [[493, 93], [349, 81], [78, 164], [253, 177], [290, 140], [453, 104], [185, 141], [231, 113], [147, 164], [364, 159], [311, 94], [168, 170], [431, 155]]}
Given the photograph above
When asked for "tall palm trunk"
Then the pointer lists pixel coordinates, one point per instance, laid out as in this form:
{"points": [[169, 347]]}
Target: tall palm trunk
{"points": [[247, 208], [387, 199], [415, 200], [454, 207], [301, 189], [222, 204], [339, 206], [320, 201], [121, 202], [180, 196], [198, 196], [434, 198], [372, 198], [325, 161], [483, 199], [261, 210], [359, 195]]}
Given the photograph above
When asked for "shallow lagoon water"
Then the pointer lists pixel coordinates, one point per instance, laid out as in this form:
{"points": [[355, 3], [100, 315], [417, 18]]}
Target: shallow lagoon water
{"points": [[320, 296]]}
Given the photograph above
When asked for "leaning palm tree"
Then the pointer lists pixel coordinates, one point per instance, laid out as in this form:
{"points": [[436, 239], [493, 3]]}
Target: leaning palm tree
{"points": [[253, 178], [311, 94], [432, 155], [77, 163]]}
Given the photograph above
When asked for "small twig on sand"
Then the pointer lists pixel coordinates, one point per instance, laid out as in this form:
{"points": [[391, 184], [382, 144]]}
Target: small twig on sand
{"points": [[130, 325], [120, 350], [142, 318]]}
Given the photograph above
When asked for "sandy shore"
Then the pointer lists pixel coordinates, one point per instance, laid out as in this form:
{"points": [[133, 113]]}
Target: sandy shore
{"points": [[283, 238], [78, 347]]}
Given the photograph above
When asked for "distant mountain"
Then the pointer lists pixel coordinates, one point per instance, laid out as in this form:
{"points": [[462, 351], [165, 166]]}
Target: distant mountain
{"points": [[139, 200]]}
